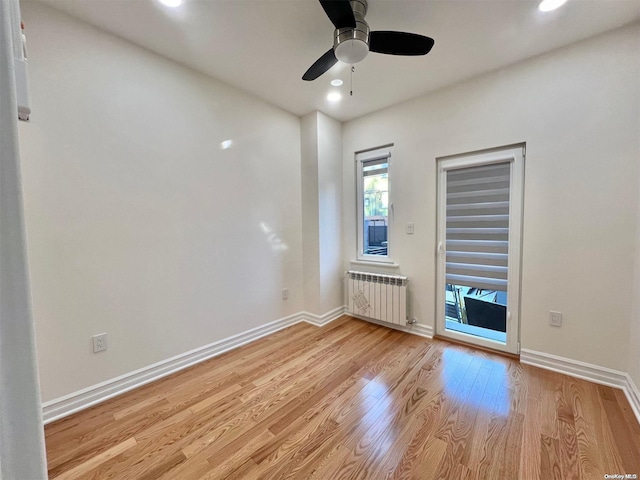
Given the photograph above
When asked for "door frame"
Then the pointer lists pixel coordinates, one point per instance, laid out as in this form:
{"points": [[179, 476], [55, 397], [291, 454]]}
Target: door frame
{"points": [[515, 154]]}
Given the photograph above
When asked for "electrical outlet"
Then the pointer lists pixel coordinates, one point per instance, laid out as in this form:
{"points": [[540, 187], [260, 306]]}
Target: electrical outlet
{"points": [[555, 319], [285, 293], [99, 342]]}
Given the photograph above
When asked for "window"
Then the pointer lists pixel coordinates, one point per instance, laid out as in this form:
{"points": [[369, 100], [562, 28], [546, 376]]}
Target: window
{"points": [[373, 204]]}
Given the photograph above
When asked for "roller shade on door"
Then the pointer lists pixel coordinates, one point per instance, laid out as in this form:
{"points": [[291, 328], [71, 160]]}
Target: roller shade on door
{"points": [[477, 228]]}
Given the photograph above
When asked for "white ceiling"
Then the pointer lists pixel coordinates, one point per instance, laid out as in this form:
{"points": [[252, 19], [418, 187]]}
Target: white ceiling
{"points": [[264, 46]]}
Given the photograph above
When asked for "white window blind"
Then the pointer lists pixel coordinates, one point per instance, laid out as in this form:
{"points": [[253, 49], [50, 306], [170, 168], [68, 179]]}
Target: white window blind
{"points": [[477, 228], [375, 167]]}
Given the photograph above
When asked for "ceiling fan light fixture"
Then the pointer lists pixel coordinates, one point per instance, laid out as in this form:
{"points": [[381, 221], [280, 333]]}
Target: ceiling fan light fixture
{"points": [[351, 51]]}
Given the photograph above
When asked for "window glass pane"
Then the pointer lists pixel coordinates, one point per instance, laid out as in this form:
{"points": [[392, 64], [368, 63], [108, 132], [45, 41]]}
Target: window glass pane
{"points": [[375, 178]]}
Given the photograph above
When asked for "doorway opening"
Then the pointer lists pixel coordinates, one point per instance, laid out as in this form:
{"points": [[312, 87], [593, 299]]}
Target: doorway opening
{"points": [[479, 234]]}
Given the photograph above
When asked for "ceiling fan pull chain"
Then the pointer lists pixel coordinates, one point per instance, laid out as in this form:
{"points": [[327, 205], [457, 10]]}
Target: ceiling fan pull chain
{"points": [[353, 69]]}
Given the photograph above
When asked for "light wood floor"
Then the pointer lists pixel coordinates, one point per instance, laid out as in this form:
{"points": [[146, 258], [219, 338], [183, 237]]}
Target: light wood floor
{"points": [[352, 400]]}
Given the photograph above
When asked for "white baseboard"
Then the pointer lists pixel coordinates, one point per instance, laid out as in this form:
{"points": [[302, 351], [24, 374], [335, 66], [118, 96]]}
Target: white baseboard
{"points": [[586, 371], [421, 329], [61, 407], [320, 320], [633, 396], [416, 329], [574, 368]]}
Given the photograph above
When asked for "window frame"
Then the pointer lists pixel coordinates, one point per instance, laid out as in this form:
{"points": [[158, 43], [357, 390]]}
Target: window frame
{"points": [[361, 158]]}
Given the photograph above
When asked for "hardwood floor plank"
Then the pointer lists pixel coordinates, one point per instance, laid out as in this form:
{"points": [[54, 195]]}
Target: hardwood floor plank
{"points": [[447, 468], [531, 431], [221, 467], [624, 440], [512, 448], [199, 437], [629, 416], [549, 419], [493, 404], [451, 429], [471, 429], [532, 425], [610, 455], [327, 465], [420, 445], [430, 456], [243, 472], [550, 463], [566, 432], [352, 400], [316, 389], [504, 443], [191, 469], [161, 468], [304, 426], [96, 442], [307, 443], [334, 341], [396, 359], [395, 442], [369, 444], [589, 464], [84, 467]]}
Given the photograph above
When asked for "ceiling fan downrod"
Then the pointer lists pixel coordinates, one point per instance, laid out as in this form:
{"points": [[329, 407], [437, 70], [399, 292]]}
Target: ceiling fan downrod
{"points": [[351, 45]]}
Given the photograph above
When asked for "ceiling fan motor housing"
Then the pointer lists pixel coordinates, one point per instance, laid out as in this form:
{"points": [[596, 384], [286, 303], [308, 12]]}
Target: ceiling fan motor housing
{"points": [[351, 45]]}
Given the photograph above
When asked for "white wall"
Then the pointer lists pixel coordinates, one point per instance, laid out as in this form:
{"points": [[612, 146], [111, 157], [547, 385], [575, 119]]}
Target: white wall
{"points": [[138, 223], [577, 110], [634, 326], [310, 220], [321, 139], [330, 212]]}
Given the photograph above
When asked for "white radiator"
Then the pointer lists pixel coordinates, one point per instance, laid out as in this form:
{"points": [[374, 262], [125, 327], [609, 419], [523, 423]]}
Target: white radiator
{"points": [[377, 296]]}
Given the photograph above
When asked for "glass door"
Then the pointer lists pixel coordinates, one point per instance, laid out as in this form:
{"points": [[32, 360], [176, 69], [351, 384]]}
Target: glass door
{"points": [[479, 225]]}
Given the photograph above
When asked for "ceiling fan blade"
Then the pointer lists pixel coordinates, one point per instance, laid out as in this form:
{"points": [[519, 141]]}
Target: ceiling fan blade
{"points": [[324, 63], [339, 12], [399, 43]]}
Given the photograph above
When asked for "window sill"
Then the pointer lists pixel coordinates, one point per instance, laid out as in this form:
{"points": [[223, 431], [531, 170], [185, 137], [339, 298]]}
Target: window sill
{"points": [[375, 264]]}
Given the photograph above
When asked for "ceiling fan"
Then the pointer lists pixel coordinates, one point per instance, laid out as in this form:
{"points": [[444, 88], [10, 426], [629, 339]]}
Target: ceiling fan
{"points": [[352, 39]]}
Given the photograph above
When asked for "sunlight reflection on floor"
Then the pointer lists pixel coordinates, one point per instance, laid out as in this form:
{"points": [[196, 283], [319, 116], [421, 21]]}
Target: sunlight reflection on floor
{"points": [[494, 398]]}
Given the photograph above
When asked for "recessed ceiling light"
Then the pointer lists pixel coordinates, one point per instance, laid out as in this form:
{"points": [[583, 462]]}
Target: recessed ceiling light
{"points": [[548, 5], [171, 3], [336, 83], [334, 96], [226, 144]]}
